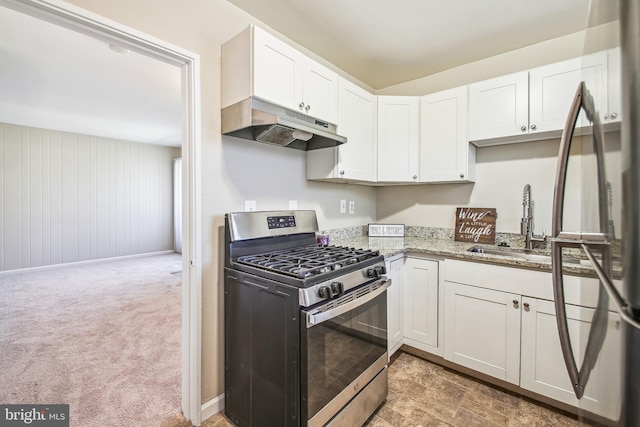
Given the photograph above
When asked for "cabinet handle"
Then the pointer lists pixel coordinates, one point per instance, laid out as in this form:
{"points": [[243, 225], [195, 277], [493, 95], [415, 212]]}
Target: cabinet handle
{"points": [[461, 175], [307, 108], [614, 115], [534, 127], [523, 128], [415, 176], [526, 306], [606, 116], [515, 303], [341, 172], [301, 105]]}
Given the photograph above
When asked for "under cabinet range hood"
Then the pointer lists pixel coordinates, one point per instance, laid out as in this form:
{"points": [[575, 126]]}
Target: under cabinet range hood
{"points": [[257, 120]]}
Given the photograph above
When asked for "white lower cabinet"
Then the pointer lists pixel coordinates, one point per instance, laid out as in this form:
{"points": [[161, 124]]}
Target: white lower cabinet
{"points": [[482, 330], [395, 303], [421, 304], [542, 365], [501, 321]]}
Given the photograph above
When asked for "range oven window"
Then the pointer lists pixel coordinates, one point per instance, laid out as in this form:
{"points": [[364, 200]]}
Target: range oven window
{"points": [[338, 350]]}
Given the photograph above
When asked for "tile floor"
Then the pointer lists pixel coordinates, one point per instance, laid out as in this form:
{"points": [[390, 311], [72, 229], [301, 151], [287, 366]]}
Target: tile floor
{"points": [[424, 394]]}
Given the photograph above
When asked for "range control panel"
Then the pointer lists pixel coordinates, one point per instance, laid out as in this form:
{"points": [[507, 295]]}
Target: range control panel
{"points": [[286, 221]]}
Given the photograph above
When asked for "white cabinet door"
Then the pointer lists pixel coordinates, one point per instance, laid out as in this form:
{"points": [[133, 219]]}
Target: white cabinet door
{"points": [[357, 159], [398, 138], [499, 107], [395, 303], [445, 152], [542, 365], [320, 91], [553, 87], [421, 304], [277, 70], [614, 89], [284, 76], [482, 330]]}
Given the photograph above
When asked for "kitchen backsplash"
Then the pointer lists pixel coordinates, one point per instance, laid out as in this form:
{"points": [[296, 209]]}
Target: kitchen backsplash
{"points": [[345, 232], [512, 239]]}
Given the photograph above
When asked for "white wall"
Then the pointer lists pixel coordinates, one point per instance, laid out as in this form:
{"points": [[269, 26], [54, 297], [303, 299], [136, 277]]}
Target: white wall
{"points": [[68, 197], [570, 46]]}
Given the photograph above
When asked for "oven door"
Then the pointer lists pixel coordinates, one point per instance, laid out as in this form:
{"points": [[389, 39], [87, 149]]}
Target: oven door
{"points": [[344, 347]]}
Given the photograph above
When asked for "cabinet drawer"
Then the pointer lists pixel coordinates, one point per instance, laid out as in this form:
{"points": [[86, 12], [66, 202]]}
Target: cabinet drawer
{"points": [[582, 291]]}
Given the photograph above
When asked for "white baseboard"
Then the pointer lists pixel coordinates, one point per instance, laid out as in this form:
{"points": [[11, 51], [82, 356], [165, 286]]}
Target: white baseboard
{"points": [[212, 407], [87, 262]]}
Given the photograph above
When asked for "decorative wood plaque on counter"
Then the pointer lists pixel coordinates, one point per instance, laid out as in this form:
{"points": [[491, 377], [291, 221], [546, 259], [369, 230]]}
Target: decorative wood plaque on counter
{"points": [[476, 225]]}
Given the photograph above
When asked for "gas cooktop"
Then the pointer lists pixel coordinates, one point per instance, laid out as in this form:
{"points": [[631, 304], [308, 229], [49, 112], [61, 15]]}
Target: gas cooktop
{"points": [[308, 261]]}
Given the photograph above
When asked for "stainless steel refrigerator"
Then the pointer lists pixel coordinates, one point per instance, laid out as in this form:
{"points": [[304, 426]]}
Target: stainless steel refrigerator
{"points": [[607, 230]]}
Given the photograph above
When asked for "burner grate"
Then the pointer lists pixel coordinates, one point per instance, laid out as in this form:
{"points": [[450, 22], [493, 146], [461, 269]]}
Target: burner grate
{"points": [[306, 261]]}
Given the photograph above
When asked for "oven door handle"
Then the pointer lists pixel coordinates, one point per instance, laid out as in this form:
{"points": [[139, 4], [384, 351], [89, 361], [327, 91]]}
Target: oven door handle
{"points": [[322, 316]]}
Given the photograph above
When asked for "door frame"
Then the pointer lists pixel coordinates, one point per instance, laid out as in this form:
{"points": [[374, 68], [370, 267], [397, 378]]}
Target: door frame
{"points": [[96, 26]]}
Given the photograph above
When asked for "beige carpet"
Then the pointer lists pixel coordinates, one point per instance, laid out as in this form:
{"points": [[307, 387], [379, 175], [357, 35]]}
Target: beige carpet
{"points": [[103, 338]]}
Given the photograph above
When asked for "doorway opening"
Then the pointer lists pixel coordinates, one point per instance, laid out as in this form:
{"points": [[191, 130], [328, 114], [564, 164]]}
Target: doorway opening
{"points": [[111, 33]]}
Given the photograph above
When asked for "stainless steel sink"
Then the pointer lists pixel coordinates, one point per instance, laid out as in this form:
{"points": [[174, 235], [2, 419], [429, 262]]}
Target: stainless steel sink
{"points": [[522, 255], [528, 256]]}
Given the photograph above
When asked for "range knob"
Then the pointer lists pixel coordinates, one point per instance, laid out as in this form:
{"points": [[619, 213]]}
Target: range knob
{"points": [[337, 288], [375, 272], [324, 292]]}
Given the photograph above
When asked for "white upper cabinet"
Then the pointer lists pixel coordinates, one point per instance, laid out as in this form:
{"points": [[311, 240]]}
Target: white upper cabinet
{"points": [[553, 87], [535, 104], [612, 114], [357, 159], [255, 63], [320, 90], [499, 107], [445, 152], [277, 70], [398, 138]]}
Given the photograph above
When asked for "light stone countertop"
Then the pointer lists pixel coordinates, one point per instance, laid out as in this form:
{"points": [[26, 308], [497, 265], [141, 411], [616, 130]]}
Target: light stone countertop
{"points": [[448, 248]]}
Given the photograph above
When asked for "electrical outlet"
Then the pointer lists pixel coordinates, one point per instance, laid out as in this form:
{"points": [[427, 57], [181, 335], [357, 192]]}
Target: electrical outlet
{"points": [[343, 206], [250, 206], [293, 205], [352, 207]]}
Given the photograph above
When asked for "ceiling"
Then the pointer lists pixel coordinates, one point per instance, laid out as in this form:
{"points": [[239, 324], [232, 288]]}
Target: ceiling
{"points": [[55, 78], [385, 42]]}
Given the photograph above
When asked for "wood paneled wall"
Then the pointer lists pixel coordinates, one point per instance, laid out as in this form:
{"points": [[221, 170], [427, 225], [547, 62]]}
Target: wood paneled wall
{"points": [[66, 197]]}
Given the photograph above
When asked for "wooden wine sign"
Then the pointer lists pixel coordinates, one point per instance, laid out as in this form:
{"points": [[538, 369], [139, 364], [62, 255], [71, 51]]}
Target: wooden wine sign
{"points": [[477, 225]]}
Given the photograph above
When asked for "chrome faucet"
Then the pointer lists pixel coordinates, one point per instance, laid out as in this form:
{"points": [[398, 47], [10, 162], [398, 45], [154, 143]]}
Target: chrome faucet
{"points": [[526, 224]]}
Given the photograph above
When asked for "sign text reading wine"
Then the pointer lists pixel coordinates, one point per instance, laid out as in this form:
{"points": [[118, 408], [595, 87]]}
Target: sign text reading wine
{"points": [[477, 225]]}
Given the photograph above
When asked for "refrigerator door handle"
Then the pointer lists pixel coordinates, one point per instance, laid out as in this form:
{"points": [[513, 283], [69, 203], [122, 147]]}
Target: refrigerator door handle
{"points": [[622, 306], [559, 239]]}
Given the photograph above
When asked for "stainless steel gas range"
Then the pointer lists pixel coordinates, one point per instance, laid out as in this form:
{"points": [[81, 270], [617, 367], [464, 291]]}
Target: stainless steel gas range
{"points": [[305, 324]]}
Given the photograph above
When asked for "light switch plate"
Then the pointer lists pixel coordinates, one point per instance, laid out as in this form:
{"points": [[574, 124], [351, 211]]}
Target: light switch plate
{"points": [[343, 206], [352, 207]]}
